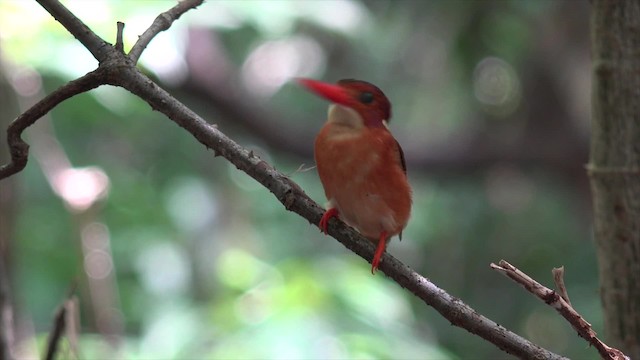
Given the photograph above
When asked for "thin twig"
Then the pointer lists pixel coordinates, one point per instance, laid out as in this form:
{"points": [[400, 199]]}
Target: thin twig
{"points": [[565, 309], [72, 325], [98, 47], [161, 23], [56, 333], [301, 169], [19, 149], [60, 323]]}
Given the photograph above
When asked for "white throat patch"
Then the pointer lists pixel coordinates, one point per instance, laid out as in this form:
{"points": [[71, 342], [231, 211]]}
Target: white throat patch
{"points": [[345, 116]]}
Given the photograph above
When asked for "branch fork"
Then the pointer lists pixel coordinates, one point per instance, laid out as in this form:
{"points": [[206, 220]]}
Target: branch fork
{"points": [[560, 301]]}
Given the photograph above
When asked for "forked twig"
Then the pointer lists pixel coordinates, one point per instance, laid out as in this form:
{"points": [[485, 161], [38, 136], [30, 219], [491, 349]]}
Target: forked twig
{"points": [[562, 306], [161, 23]]}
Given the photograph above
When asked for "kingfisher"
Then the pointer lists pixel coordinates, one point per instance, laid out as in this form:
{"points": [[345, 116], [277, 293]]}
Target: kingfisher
{"points": [[360, 164]]}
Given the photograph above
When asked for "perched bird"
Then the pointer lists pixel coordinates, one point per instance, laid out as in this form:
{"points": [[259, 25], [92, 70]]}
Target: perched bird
{"points": [[360, 164]]}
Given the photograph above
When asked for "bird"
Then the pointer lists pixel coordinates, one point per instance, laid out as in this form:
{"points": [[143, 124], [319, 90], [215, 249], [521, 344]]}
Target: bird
{"points": [[360, 164]]}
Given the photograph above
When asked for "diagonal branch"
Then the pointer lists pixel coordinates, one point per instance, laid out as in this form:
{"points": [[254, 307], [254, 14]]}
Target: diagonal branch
{"points": [[295, 199], [98, 47], [562, 306], [19, 149], [117, 69], [161, 23]]}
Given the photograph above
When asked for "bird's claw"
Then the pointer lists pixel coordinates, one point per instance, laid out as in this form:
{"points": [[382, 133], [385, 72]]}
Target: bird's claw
{"points": [[324, 221], [382, 246]]}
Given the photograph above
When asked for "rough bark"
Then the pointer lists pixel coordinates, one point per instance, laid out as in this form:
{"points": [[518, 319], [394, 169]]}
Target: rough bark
{"points": [[615, 165]]}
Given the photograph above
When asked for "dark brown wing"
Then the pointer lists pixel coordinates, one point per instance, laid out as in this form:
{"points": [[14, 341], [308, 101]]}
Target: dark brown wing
{"points": [[404, 164], [404, 168]]}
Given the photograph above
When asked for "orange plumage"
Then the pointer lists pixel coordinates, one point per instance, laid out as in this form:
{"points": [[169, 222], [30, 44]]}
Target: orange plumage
{"points": [[360, 163]]}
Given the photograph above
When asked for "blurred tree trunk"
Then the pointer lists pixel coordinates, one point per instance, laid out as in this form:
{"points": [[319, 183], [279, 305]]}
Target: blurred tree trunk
{"points": [[8, 205], [615, 166]]}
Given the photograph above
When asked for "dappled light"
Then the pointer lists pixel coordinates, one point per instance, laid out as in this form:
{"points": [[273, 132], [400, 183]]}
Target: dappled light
{"points": [[496, 85], [343, 15], [26, 82], [164, 270], [80, 188], [274, 63], [164, 56], [97, 261], [191, 204]]}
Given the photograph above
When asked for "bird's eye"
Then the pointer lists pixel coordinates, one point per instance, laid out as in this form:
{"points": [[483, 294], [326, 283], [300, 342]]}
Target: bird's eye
{"points": [[366, 98]]}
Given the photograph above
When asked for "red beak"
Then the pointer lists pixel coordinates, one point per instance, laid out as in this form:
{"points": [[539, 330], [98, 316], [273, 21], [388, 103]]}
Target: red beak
{"points": [[331, 92]]}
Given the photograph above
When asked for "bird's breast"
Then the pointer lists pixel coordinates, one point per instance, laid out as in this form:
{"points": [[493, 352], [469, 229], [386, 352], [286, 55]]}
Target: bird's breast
{"points": [[362, 175]]}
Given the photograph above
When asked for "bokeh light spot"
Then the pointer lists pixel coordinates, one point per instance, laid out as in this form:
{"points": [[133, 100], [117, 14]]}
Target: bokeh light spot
{"points": [[496, 85], [164, 268], [191, 204], [273, 63], [81, 187]]}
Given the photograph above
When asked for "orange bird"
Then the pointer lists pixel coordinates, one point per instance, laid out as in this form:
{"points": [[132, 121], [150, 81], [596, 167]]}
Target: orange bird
{"points": [[361, 165]]}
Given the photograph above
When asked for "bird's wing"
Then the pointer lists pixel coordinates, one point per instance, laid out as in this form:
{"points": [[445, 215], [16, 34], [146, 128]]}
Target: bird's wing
{"points": [[402, 162], [404, 168]]}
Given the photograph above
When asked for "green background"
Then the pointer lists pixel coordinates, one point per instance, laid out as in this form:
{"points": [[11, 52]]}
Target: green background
{"points": [[490, 102]]}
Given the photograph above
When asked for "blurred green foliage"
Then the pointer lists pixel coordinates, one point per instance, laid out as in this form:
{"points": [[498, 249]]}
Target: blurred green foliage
{"points": [[208, 264]]}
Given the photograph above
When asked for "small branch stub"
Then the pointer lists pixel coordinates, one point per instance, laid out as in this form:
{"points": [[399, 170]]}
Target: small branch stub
{"points": [[558, 279], [119, 43]]}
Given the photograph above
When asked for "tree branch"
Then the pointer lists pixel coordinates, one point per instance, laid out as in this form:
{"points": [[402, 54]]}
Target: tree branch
{"points": [[19, 149], [296, 200], [562, 306], [98, 47], [161, 23], [117, 69]]}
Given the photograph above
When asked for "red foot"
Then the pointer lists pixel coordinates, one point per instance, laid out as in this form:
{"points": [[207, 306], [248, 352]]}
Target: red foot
{"points": [[382, 246], [324, 222]]}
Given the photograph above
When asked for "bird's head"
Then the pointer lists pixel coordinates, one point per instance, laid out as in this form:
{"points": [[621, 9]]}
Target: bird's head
{"points": [[366, 99]]}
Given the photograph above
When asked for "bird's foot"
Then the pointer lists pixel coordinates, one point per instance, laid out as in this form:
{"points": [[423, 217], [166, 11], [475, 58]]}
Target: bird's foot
{"points": [[324, 221], [382, 246]]}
